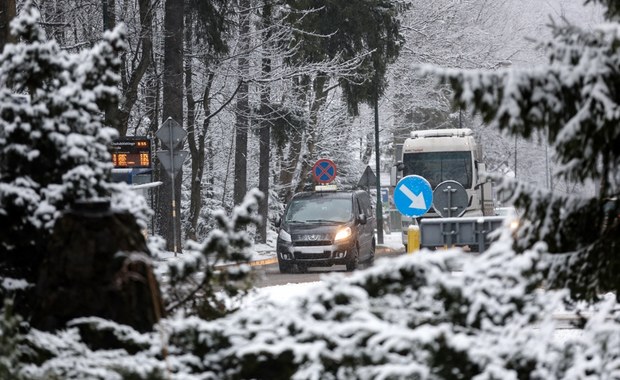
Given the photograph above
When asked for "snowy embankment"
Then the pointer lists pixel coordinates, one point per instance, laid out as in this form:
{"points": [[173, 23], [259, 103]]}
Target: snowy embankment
{"points": [[293, 292]]}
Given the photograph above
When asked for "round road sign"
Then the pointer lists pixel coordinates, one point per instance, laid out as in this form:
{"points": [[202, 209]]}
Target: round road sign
{"points": [[413, 196], [324, 171], [450, 199]]}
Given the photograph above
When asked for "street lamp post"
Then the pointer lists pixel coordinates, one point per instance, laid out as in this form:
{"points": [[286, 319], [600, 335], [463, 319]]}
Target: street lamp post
{"points": [[378, 162]]}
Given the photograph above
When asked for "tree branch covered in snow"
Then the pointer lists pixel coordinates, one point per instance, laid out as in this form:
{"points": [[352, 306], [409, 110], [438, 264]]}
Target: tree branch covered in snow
{"points": [[53, 145], [405, 318], [574, 103], [204, 278]]}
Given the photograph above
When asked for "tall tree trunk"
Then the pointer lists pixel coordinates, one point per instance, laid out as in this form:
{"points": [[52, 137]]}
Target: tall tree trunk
{"points": [[167, 208], [317, 104], [265, 131], [243, 106], [197, 165], [288, 173], [370, 146], [108, 8], [196, 141], [118, 115], [152, 101], [7, 13]]}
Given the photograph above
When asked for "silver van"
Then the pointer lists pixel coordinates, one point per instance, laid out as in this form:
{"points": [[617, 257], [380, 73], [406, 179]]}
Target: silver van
{"points": [[326, 228]]}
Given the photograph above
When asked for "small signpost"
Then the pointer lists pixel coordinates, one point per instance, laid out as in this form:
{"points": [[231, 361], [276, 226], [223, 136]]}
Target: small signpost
{"points": [[450, 199], [368, 179], [172, 161], [324, 171], [172, 135], [413, 197]]}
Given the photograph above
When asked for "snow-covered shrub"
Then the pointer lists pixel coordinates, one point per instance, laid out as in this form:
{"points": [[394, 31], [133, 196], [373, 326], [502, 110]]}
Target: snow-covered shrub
{"points": [[10, 339], [202, 280], [404, 318], [53, 144]]}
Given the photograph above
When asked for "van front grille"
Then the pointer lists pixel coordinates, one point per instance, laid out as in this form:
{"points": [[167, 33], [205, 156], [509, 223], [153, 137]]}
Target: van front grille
{"points": [[312, 256], [311, 240], [308, 243]]}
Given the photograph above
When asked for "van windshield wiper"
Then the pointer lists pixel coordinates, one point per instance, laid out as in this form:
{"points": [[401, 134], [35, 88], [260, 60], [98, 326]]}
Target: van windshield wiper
{"points": [[321, 221]]}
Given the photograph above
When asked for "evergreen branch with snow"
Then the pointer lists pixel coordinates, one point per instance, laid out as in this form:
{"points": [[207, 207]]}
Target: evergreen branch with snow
{"points": [[574, 103], [204, 278]]}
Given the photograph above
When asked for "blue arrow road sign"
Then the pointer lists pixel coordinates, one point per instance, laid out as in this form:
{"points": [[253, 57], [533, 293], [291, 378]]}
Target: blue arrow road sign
{"points": [[413, 196]]}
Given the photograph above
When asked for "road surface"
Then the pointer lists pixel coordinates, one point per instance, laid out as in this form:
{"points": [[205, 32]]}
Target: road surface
{"points": [[269, 275]]}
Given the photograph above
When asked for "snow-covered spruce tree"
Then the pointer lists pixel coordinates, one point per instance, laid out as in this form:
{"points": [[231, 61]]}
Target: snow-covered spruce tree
{"points": [[10, 339], [574, 103], [53, 146], [404, 318], [208, 275]]}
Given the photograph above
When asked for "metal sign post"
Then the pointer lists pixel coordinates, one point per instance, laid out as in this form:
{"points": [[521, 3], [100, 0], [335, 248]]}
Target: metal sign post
{"points": [[172, 135]]}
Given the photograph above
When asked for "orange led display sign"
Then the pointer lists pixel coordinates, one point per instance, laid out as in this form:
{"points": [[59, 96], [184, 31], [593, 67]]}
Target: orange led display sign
{"points": [[131, 152]]}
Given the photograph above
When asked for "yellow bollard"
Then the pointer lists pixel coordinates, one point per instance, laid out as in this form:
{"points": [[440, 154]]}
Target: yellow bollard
{"points": [[413, 238]]}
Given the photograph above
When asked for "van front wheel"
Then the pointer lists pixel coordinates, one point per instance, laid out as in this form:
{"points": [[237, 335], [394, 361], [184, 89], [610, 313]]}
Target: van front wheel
{"points": [[371, 256], [354, 260], [284, 268]]}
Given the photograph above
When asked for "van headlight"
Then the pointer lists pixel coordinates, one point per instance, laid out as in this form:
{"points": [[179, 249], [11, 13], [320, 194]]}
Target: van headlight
{"points": [[344, 233], [284, 236]]}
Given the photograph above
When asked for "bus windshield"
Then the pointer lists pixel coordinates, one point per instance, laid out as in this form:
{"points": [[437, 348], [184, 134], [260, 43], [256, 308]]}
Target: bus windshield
{"points": [[437, 167]]}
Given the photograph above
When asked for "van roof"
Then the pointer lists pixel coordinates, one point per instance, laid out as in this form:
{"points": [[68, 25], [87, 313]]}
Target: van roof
{"points": [[326, 194]]}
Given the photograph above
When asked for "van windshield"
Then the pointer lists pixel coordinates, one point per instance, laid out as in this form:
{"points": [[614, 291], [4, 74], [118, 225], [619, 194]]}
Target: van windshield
{"points": [[437, 167], [320, 209]]}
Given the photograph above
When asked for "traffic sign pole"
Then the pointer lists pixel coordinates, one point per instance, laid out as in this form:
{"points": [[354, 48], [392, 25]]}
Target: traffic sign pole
{"points": [[378, 167], [171, 135], [174, 199]]}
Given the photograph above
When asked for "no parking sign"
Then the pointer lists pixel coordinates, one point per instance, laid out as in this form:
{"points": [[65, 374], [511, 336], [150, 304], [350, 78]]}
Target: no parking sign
{"points": [[324, 171]]}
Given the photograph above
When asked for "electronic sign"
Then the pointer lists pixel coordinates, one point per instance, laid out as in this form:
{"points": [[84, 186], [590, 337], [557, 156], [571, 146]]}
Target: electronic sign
{"points": [[131, 152]]}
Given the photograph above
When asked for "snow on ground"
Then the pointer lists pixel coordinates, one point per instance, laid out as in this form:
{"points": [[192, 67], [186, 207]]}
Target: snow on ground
{"points": [[285, 294], [391, 242], [280, 294], [289, 293]]}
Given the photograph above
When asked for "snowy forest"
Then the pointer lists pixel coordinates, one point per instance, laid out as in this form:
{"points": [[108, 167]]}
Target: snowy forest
{"points": [[264, 89], [272, 76]]}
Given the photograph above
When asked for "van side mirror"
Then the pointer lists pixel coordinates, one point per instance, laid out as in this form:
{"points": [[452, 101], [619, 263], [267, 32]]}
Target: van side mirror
{"points": [[362, 219]]}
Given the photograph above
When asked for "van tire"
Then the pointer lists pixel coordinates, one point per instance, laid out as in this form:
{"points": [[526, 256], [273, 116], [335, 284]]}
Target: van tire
{"points": [[371, 256], [354, 262], [284, 268]]}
